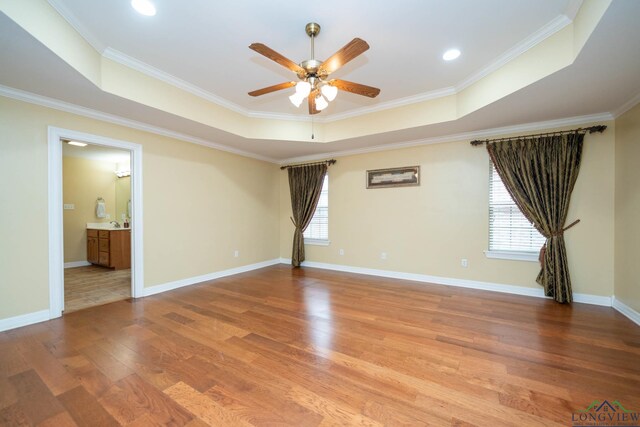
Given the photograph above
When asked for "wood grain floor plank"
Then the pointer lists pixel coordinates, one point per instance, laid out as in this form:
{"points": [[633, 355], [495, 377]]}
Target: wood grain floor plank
{"points": [[34, 397], [111, 367], [14, 416], [85, 409], [8, 394], [63, 419], [202, 407], [306, 347], [133, 398], [52, 372]]}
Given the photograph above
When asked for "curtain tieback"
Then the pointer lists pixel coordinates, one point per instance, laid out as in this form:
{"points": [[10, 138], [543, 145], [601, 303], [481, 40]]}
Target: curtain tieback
{"points": [[294, 223], [543, 249], [561, 232]]}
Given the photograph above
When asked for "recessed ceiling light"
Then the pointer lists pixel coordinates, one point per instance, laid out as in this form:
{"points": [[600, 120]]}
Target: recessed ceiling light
{"points": [[144, 7], [77, 144], [451, 54]]}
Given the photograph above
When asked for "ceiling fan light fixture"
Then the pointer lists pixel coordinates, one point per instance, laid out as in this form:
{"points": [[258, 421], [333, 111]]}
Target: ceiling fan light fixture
{"points": [[303, 89], [329, 92], [144, 7], [451, 54], [296, 99], [321, 103], [314, 81]]}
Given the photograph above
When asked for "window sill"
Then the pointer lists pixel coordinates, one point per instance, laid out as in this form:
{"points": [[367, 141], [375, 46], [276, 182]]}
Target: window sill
{"points": [[513, 255], [317, 242]]}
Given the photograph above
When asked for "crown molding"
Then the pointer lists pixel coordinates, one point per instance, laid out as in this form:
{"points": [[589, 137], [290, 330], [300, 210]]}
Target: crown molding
{"points": [[481, 134], [626, 106], [556, 24], [156, 73], [486, 133], [72, 20], [541, 34], [400, 102], [98, 115]]}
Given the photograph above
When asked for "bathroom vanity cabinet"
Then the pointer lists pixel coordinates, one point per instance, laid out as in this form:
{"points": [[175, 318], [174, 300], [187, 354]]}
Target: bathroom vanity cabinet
{"points": [[109, 248]]}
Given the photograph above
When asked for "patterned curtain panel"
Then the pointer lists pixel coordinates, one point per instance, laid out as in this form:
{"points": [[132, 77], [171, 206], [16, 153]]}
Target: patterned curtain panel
{"points": [[305, 185], [539, 173]]}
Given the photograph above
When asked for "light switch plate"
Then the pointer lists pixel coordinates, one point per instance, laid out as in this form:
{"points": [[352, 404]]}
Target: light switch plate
{"points": [[69, 206]]}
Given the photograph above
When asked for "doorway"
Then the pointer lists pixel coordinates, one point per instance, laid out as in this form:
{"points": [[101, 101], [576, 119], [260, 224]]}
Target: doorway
{"points": [[96, 191], [95, 234]]}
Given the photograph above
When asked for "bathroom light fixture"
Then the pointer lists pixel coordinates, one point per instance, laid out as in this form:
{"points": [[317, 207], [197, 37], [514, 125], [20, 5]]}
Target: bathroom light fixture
{"points": [[122, 174], [77, 144], [451, 54], [144, 7]]}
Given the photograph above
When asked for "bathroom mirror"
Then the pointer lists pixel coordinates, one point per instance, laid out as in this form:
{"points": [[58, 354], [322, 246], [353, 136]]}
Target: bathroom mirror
{"points": [[123, 198], [123, 195]]}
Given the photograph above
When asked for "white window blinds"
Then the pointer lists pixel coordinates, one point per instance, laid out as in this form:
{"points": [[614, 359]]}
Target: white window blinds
{"points": [[509, 230], [318, 229]]}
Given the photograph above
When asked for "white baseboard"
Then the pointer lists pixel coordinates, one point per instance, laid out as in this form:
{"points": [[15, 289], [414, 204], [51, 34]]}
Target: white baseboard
{"points": [[24, 320], [462, 283], [629, 312], [206, 277], [74, 264]]}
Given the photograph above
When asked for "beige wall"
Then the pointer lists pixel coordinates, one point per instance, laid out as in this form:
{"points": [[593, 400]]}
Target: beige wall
{"points": [[430, 228], [627, 198], [199, 205], [202, 204], [83, 181]]}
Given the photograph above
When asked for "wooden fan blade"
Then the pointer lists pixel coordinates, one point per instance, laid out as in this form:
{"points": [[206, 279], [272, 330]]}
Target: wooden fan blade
{"points": [[352, 49], [356, 88], [275, 56], [272, 88], [312, 102]]}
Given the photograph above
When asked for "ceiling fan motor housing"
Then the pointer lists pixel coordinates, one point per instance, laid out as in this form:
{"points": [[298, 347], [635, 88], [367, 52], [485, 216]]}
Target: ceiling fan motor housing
{"points": [[312, 29]]}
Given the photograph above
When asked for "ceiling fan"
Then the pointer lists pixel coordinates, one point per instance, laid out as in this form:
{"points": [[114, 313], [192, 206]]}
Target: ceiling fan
{"points": [[315, 83]]}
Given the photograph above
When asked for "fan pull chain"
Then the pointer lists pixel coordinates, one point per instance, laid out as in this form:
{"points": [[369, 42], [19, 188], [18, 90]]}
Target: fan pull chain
{"points": [[312, 133]]}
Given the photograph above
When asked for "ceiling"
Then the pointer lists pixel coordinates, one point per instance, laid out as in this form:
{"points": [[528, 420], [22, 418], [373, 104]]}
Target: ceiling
{"points": [[97, 153], [203, 49]]}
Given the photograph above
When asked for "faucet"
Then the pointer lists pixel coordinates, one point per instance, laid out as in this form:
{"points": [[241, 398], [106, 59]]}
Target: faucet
{"points": [[116, 224]]}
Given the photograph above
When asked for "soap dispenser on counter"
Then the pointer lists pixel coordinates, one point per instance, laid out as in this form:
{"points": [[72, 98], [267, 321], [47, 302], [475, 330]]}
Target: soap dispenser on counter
{"points": [[126, 223]]}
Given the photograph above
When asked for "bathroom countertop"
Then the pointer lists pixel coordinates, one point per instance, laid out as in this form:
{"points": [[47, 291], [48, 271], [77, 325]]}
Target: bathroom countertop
{"points": [[109, 228], [104, 226]]}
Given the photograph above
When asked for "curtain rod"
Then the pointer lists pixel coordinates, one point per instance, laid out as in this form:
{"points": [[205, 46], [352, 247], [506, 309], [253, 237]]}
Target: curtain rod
{"points": [[591, 129], [328, 162]]}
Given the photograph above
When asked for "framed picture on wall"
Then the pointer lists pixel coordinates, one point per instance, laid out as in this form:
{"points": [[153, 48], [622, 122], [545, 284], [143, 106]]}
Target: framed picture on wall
{"points": [[393, 177]]}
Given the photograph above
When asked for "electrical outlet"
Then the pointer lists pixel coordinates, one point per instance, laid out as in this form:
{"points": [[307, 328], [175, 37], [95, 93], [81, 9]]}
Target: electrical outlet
{"points": [[383, 255], [341, 252], [464, 262], [236, 253]]}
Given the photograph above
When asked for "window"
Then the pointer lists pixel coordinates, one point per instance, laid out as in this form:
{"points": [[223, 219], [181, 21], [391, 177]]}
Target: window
{"points": [[318, 230], [511, 235]]}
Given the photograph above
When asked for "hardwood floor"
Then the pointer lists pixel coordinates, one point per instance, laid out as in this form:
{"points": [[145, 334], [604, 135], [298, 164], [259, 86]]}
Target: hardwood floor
{"points": [[94, 285], [308, 347]]}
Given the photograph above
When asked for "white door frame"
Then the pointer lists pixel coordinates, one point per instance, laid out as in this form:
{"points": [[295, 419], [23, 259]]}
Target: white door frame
{"points": [[56, 244]]}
